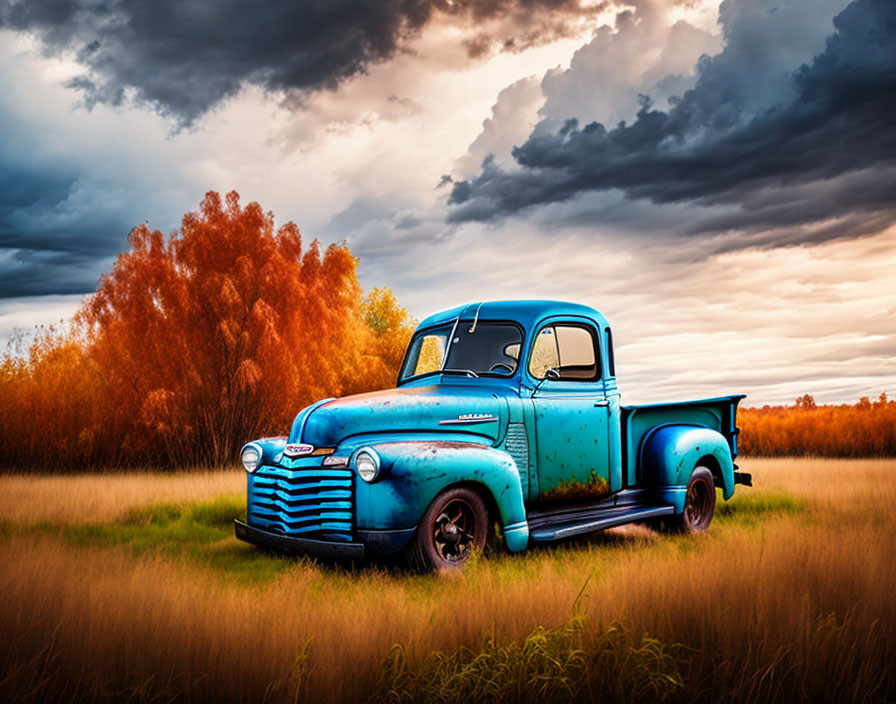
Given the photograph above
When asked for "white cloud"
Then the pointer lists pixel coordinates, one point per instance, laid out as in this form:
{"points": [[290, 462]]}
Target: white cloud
{"points": [[20, 316], [513, 116], [645, 52]]}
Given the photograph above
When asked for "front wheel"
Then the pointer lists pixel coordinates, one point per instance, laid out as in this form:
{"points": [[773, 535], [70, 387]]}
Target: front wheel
{"points": [[699, 503], [455, 524]]}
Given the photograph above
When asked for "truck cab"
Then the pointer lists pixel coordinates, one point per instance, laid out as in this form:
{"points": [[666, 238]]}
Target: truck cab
{"points": [[505, 414]]}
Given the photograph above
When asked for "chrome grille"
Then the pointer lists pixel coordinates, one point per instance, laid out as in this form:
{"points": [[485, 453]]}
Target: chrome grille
{"points": [[301, 497]]}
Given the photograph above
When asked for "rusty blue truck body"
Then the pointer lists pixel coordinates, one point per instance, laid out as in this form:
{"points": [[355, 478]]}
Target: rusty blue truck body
{"points": [[507, 413]]}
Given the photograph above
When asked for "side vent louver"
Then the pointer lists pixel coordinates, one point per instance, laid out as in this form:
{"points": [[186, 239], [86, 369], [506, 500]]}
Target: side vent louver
{"points": [[517, 445]]}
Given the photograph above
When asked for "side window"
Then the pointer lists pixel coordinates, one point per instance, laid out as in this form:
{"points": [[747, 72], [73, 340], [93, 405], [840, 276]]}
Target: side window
{"points": [[570, 349]]}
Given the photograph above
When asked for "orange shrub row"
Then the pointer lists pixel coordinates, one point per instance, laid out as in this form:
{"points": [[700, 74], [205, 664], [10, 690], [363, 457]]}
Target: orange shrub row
{"points": [[194, 344], [864, 429]]}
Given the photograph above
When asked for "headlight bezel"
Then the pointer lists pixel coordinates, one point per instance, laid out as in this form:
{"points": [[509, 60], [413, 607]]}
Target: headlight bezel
{"points": [[259, 452], [368, 457]]}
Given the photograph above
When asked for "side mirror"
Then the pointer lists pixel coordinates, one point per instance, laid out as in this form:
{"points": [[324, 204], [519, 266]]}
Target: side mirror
{"points": [[550, 374]]}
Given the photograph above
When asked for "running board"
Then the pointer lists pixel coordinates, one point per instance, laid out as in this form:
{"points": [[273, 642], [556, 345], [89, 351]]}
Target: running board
{"points": [[560, 527]]}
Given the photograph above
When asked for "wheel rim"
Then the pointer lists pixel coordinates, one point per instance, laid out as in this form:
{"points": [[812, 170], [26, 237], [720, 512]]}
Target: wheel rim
{"points": [[696, 506], [454, 531]]}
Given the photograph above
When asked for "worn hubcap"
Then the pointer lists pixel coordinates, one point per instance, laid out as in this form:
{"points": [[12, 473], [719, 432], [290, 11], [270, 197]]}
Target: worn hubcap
{"points": [[454, 530]]}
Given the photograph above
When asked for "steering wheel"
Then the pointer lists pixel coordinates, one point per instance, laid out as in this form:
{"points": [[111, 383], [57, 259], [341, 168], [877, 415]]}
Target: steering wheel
{"points": [[501, 364]]}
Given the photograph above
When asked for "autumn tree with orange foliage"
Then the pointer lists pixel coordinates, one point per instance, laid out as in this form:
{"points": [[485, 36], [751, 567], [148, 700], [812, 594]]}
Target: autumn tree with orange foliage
{"points": [[864, 429], [197, 342]]}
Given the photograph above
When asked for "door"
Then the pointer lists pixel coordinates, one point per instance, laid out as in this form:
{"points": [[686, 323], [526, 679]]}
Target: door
{"points": [[571, 412]]}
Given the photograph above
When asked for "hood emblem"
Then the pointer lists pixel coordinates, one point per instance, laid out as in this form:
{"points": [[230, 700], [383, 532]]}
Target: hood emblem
{"points": [[298, 449], [469, 419]]}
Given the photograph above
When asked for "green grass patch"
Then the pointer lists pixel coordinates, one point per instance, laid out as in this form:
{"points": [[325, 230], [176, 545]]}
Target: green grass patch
{"points": [[217, 514], [750, 507], [200, 533], [163, 525]]}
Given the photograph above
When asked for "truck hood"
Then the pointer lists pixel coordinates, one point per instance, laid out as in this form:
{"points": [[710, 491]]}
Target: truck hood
{"points": [[439, 408]]}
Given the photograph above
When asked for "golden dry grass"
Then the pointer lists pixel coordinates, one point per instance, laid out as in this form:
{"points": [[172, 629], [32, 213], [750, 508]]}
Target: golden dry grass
{"points": [[787, 598], [87, 498]]}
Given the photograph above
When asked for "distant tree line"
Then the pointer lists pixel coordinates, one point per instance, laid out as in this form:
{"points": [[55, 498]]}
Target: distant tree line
{"points": [[863, 429]]}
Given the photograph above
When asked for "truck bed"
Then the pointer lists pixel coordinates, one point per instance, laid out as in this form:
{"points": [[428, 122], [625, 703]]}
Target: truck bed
{"points": [[639, 420]]}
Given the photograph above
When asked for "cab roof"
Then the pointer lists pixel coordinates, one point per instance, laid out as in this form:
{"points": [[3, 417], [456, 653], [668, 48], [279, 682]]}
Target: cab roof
{"points": [[526, 313]]}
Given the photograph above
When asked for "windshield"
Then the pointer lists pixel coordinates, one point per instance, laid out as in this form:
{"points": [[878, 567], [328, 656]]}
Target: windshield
{"points": [[492, 349]]}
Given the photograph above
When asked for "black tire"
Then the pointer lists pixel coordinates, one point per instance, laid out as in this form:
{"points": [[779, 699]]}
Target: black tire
{"points": [[699, 503], [455, 524]]}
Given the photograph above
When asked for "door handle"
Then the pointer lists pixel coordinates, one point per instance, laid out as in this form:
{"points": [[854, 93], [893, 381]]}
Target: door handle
{"points": [[601, 404]]}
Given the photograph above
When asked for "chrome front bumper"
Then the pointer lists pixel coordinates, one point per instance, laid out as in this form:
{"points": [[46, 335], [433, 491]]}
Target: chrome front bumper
{"points": [[289, 545]]}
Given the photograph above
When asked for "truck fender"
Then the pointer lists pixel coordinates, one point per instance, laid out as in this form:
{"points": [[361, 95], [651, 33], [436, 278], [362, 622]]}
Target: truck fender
{"points": [[414, 472], [670, 453]]}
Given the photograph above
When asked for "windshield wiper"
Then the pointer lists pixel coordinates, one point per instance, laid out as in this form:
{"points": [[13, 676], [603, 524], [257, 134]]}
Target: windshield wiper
{"points": [[468, 372]]}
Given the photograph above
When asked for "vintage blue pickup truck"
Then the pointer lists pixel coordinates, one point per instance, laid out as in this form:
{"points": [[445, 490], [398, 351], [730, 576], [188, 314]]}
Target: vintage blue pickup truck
{"points": [[506, 418]]}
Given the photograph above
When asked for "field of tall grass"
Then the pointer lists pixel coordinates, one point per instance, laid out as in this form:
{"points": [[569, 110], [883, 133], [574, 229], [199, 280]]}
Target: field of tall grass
{"points": [[132, 588]]}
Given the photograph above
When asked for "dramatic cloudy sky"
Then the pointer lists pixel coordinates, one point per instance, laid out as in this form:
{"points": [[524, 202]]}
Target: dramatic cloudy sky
{"points": [[718, 178]]}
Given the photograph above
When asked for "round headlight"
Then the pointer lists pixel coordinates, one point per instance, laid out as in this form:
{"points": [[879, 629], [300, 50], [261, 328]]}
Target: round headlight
{"points": [[367, 462], [251, 457]]}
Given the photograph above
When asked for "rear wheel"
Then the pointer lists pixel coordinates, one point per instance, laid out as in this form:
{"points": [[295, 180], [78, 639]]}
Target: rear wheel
{"points": [[699, 503], [455, 524]]}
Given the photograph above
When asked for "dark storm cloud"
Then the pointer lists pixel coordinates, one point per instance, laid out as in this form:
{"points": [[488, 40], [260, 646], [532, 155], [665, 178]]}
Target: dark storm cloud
{"points": [[183, 56], [39, 210], [58, 228], [45, 247], [29, 272], [824, 147]]}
